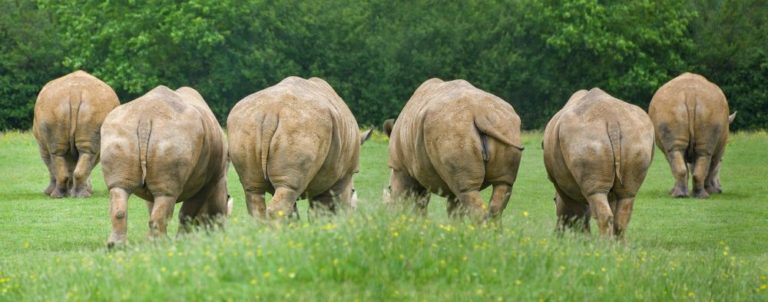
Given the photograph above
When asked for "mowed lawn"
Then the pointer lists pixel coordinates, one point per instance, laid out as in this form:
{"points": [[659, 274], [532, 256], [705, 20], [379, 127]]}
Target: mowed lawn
{"points": [[675, 249]]}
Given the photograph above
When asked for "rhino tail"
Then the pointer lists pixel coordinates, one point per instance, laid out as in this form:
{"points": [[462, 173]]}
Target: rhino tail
{"points": [[143, 132], [268, 128], [691, 131], [74, 111], [614, 136], [489, 127]]}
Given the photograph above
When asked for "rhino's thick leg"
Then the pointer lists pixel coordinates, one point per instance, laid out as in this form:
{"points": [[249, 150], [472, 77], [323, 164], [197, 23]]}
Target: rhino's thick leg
{"points": [[472, 204], [162, 211], [51, 173], [406, 190], [323, 205], [680, 172], [623, 213], [598, 203], [700, 172], [283, 203], [118, 212], [254, 201], [571, 215], [499, 200], [61, 168], [82, 174], [713, 178]]}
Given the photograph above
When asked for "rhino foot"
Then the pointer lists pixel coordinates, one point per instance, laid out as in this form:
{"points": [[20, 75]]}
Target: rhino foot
{"points": [[714, 190], [116, 240], [679, 192], [58, 193], [50, 188], [700, 194], [80, 193]]}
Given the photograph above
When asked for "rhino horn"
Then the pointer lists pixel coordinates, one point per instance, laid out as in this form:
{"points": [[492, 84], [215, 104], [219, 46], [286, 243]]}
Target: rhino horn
{"points": [[732, 117]]}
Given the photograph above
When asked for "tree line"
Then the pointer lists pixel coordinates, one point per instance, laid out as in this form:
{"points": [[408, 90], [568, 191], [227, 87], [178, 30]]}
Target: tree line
{"points": [[531, 53]]}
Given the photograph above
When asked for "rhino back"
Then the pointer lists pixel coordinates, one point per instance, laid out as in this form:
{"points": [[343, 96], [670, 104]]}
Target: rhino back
{"points": [[169, 135], [690, 113], [437, 139], [302, 134], [69, 111], [598, 144]]}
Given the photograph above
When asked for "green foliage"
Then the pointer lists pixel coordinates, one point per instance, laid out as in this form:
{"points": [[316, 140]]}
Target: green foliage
{"points": [[676, 249], [732, 51], [532, 53], [29, 58]]}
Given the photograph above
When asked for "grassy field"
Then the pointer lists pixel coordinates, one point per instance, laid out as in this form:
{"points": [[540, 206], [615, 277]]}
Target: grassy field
{"points": [[676, 249]]}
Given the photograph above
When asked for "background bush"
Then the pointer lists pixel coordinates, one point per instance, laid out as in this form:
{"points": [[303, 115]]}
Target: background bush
{"points": [[532, 53]]}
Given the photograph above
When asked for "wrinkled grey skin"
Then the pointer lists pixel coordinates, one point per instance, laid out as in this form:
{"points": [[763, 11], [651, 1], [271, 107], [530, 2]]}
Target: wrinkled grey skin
{"points": [[297, 139], [597, 151], [165, 146], [69, 112], [690, 117], [454, 140]]}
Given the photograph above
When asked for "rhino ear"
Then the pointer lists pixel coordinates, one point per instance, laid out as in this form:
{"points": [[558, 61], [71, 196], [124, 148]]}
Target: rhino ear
{"points": [[365, 136], [732, 117], [388, 124]]}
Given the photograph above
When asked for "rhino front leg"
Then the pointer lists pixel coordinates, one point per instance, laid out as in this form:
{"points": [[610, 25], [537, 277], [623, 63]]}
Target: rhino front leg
{"points": [[598, 203], [118, 212], [571, 215], [51, 173], [499, 201], [700, 172], [162, 210], [82, 173], [680, 172]]}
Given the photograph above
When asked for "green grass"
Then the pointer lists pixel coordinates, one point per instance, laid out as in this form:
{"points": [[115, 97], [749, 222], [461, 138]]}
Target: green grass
{"points": [[676, 249]]}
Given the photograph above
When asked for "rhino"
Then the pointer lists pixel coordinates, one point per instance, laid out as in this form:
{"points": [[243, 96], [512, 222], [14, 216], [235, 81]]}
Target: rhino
{"points": [[296, 139], [454, 140], [597, 150], [690, 117], [165, 146], [69, 112]]}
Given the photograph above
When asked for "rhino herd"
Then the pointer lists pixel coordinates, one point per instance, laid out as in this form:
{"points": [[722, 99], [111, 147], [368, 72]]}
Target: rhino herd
{"points": [[299, 140]]}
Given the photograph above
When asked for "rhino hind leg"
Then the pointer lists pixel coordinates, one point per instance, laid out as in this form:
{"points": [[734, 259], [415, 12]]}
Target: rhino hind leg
{"points": [[283, 203], [600, 208], [471, 204], [162, 211], [118, 212], [63, 176], [713, 179], [700, 175], [680, 172], [623, 213], [81, 176], [499, 201]]}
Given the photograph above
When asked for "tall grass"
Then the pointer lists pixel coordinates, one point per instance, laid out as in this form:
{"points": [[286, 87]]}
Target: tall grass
{"points": [[676, 249]]}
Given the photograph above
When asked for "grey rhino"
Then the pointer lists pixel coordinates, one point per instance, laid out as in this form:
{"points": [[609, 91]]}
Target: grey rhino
{"points": [[690, 116], [69, 112], [165, 146], [296, 139], [597, 150], [454, 140]]}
